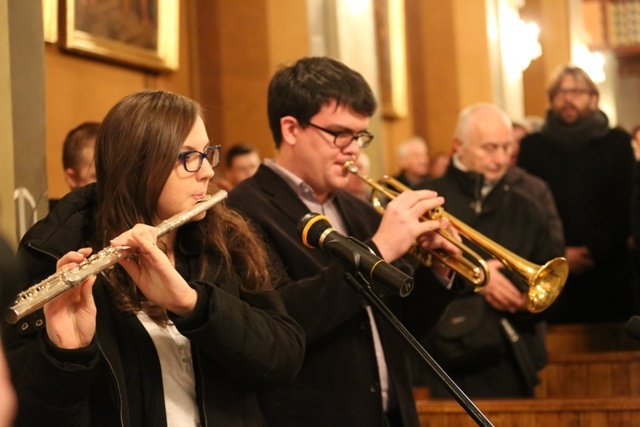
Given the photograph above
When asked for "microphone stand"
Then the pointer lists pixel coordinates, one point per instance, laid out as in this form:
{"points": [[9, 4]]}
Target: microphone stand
{"points": [[362, 287]]}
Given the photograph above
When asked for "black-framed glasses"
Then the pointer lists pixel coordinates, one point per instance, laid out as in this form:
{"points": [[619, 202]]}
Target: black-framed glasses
{"points": [[192, 160], [573, 92], [342, 139]]}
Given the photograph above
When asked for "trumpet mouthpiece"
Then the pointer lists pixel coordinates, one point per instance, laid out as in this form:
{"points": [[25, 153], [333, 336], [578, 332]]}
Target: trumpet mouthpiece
{"points": [[350, 166]]}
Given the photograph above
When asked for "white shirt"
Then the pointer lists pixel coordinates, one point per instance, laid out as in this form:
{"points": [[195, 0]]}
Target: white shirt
{"points": [[178, 380]]}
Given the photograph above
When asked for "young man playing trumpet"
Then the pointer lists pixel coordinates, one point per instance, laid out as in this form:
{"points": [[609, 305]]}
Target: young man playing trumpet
{"points": [[355, 370]]}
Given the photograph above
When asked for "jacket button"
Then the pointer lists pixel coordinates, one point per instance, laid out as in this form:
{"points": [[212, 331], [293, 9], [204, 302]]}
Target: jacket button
{"points": [[374, 388]]}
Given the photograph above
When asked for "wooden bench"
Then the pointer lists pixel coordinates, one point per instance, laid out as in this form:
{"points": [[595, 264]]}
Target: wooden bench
{"points": [[592, 380], [582, 375], [620, 412], [588, 338]]}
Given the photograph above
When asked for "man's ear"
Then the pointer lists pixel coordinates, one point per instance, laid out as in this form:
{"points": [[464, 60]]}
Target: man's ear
{"points": [[457, 144], [594, 101], [70, 178], [289, 128]]}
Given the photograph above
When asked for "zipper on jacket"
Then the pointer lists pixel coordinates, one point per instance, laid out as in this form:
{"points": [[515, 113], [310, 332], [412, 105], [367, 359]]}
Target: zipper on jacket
{"points": [[196, 364], [42, 251], [476, 205], [115, 380], [111, 370]]}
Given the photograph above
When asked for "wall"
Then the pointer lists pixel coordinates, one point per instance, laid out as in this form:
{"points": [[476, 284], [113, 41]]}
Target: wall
{"points": [[552, 17], [81, 89], [229, 52], [238, 50], [448, 65], [26, 95], [233, 63], [7, 219]]}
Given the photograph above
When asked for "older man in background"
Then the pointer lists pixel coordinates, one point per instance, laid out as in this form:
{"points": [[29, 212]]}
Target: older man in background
{"points": [[478, 190]]}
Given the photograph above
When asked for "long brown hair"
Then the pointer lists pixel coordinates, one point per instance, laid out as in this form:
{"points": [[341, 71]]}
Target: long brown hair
{"points": [[136, 150]]}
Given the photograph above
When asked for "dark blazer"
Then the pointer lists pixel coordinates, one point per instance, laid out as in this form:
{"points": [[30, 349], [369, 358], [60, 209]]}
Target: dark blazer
{"points": [[338, 384]]}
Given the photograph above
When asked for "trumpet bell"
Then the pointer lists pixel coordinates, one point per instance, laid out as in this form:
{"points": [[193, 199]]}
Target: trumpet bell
{"points": [[546, 284]]}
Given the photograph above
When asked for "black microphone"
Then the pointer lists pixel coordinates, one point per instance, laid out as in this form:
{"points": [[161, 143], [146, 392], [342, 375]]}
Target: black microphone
{"points": [[316, 232], [633, 327]]}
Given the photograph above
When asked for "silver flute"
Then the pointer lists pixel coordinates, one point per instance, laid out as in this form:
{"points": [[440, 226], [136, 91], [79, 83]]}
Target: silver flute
{"points": [[55, 285]]}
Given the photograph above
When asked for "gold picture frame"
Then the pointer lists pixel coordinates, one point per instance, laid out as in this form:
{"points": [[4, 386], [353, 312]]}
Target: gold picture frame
{"points": [[138, 33], [392, 57], [50, 20]]}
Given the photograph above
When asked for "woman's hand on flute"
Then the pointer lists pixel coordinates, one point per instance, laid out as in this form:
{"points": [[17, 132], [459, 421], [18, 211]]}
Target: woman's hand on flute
{"points": [[154, 273], [71, 318]]}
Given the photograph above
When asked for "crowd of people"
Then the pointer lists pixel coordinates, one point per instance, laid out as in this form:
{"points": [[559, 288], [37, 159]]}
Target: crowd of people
{"points": [[230, 319]]}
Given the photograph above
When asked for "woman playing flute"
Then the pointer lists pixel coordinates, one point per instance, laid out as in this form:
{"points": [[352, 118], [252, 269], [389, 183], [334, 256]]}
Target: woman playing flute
{"points": [[181, 334]]}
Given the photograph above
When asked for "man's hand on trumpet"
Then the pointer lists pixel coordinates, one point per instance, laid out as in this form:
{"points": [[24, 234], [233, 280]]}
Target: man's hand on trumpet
{"points": [[403, 224], [500, 293]]}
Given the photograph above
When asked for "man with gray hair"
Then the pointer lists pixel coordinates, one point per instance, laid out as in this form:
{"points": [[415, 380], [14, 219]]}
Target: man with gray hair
{"points": [[413, 161], [478, 191]]}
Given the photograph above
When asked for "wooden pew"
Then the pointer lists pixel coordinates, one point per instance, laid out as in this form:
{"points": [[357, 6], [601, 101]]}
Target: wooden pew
{"points": [[588, 338], [620, 412], [590, 360], [582, 375], [592, 380]]}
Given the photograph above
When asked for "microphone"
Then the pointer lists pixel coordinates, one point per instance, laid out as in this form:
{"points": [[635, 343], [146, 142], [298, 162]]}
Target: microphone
{"points": [[316, 232], [633, 327]]}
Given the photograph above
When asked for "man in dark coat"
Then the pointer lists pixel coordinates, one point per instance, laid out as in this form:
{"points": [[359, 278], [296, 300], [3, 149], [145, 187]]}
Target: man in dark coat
{"points": [[479, 192], [588, 167], [356, 370]]}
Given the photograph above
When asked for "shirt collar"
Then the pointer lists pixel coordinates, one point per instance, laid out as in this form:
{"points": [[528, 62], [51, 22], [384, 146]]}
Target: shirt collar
{"points": [[301, 188]]}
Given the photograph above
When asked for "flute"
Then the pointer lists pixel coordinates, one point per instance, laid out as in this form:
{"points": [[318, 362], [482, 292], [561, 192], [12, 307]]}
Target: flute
{"points": [[41, 293]]}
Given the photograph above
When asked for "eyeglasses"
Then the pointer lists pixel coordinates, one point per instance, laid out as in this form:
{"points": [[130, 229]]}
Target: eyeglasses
{"points": [[572, 92], [343, 139], [192, 160]]}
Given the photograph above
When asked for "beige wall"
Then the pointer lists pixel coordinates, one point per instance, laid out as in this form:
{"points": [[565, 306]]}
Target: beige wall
{"points": [[448, 64], [80, 89], [553, 17], [228, 53], [7, 218], [238, 50]]}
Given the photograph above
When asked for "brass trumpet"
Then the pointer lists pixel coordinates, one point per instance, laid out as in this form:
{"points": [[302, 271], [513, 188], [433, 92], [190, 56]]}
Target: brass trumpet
{"points": [[545, 282]]}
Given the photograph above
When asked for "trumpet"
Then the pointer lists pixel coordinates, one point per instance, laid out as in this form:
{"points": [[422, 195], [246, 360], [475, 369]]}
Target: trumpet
{"points": [[545, 282], [55, 285]]}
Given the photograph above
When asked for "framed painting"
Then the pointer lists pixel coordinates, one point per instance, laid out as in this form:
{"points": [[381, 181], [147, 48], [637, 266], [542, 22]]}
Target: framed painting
{"points": [[392, 57], [138, 33]]}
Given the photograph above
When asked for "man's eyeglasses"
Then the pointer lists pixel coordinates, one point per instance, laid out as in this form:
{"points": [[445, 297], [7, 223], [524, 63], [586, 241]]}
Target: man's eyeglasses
{"points": [[192, 160], [342, 139], [572, 92]]}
